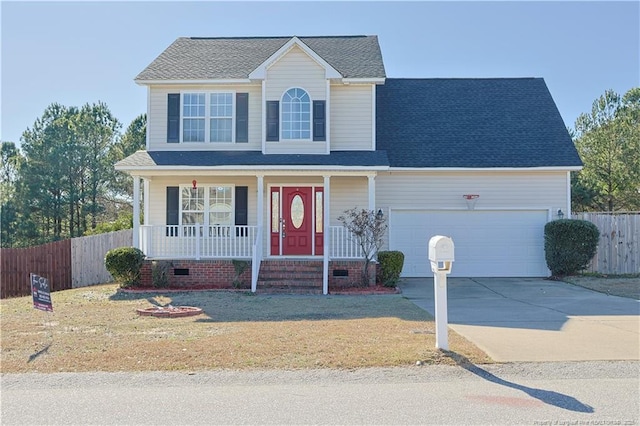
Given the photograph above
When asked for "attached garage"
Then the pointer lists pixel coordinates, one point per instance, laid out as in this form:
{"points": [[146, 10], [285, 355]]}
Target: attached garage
{"points": [[499, 243]]}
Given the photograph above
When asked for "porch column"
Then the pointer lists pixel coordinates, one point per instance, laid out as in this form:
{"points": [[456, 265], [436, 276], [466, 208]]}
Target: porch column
{"points": [[372, 192], [327, 235], [260, 203], [145, 202], [257, 253], [136, 212]]}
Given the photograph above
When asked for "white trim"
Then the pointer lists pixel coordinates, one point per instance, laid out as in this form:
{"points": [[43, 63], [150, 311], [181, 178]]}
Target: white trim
{"points": [[136, 212], [373, 117], [485, 169], [325, 250], [371, 185], [327, 118], [261, 70], [549, 210], [183, 82], [264, 117], [145, 202], [189, 170], [376, 80], [458, 208], [568, 214], [148, 127]]}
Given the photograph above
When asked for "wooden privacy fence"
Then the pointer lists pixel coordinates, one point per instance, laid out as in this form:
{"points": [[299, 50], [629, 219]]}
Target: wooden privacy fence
{"points": [[52, 260], [87, 256], [619, 247], [67, 264]]}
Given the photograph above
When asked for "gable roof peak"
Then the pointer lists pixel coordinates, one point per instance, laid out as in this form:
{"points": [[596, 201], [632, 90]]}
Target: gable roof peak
{"points": [[229, 58]]}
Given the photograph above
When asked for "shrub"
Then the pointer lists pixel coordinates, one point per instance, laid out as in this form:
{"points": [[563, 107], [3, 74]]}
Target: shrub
{"points": [[124, 263], [391, 263], [160, 273], [569, 245], [239, 266]]}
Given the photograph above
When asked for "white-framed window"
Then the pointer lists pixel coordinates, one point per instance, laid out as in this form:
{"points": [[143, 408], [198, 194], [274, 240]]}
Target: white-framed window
{"points": [[296, 115], [209, 205], [221, 113], [193, 117], [208, 117]]}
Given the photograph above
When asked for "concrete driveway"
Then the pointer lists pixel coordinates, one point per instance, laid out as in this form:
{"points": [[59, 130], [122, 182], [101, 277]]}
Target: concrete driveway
{"points": [[532, 319]]}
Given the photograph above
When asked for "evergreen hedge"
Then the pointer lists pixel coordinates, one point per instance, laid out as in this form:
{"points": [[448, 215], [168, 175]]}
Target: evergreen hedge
{"points": [[569, 245], [124, 264], [391, 263]]}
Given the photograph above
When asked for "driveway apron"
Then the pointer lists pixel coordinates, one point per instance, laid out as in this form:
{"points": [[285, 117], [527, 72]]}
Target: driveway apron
{"points": [[532, 319]]}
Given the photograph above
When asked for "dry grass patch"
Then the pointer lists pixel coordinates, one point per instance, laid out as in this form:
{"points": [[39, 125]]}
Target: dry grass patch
{"points": [[98, 329], [623, 286]]}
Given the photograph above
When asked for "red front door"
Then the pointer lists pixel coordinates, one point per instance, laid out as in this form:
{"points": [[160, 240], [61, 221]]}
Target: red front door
{"points": [[296, 220], [297, 223]]}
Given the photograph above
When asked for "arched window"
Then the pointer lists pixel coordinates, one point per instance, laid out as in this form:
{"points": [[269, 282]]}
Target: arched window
{"points": [[296, 114]]}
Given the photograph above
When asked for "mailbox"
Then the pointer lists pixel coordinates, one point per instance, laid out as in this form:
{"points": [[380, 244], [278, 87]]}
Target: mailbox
{"points": [[441, 253], [441, 257]]}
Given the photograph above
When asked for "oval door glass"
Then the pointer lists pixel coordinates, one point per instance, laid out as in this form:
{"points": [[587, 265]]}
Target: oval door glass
{"points": [[297, 211]]}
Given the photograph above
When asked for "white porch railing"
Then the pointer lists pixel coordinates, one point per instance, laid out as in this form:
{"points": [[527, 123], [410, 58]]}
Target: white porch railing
{"points": [[238, 242], [342, 244], [197, 241]]}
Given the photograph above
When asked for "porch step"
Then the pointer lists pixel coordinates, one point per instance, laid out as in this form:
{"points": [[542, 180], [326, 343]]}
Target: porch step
{"points": [[290, 276]]}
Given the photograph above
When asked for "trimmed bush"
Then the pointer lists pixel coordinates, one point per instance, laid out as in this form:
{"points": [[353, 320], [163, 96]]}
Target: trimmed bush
{"points": [[569, 245], [124, 264], [391, 263]]}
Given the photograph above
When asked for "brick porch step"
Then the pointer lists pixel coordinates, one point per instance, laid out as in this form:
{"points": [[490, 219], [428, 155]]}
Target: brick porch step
{"points": [[290, 276]]}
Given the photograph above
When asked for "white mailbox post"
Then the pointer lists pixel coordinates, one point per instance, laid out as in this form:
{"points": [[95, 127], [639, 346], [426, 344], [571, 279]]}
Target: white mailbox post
{"points": [[441, 257]]}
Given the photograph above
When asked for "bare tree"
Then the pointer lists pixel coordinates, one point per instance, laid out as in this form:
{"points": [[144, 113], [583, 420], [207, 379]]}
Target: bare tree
{"points": [[368, 228]]}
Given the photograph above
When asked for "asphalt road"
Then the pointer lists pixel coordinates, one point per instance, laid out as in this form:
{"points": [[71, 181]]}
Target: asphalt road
{"points": [[565, 393]]}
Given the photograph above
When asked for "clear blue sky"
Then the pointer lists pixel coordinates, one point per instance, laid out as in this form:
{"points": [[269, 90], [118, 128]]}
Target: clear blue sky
{"points": [[78, 52]]}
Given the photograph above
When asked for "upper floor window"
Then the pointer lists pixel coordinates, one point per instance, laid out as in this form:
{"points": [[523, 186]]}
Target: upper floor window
{"points": [[296, 114], [193, 117], [207, 117], [221, 108]]}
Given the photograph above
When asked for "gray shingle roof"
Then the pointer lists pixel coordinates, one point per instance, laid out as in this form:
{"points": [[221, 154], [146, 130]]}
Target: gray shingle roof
{"points": [[252, 158], [469, 123], [235, 58]]}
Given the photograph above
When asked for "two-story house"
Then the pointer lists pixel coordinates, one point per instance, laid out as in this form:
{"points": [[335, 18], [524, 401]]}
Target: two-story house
{"points": [[255, 146]]}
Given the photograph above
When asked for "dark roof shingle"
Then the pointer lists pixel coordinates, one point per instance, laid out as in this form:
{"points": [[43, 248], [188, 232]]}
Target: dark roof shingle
{"points": [[471, 123], [253, 158], [235, 58]]}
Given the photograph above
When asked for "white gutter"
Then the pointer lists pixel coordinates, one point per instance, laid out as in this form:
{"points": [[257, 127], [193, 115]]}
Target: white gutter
{"points": [[183, 82], [250, 169], [485, 169]]}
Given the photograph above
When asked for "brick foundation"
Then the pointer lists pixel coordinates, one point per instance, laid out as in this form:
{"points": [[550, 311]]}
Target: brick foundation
{"points": [[354, 271], [220, 273], [201, 274]]}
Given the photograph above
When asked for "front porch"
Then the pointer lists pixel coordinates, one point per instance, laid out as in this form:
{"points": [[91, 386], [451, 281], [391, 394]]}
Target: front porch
{"points": [[203, 254], [275, 215]]}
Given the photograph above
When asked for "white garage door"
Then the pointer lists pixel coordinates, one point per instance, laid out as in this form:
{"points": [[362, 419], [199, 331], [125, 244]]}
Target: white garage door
{"points": [[487, 243]]}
